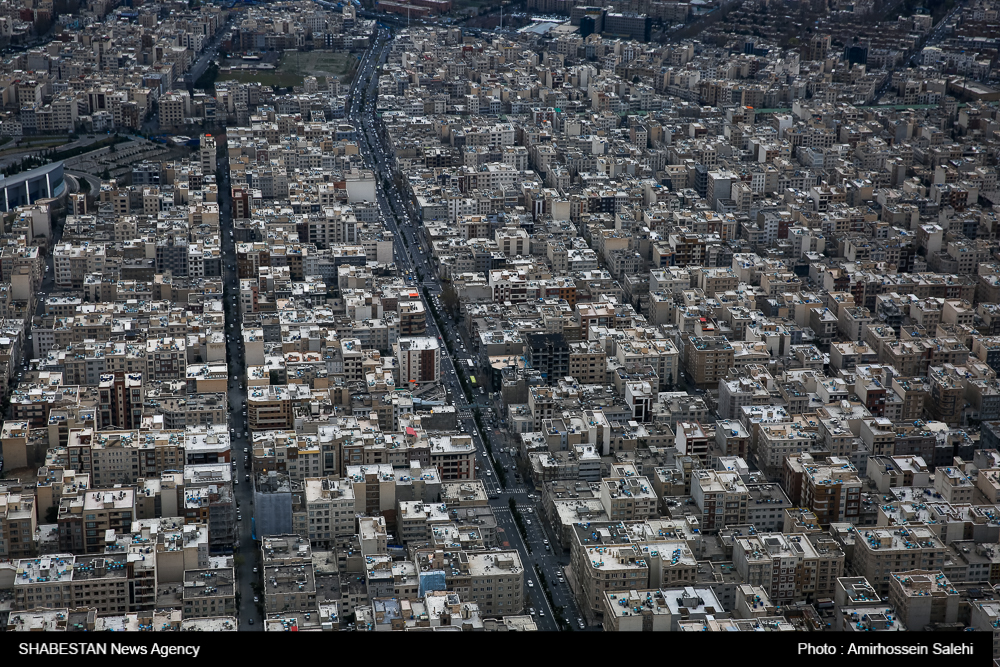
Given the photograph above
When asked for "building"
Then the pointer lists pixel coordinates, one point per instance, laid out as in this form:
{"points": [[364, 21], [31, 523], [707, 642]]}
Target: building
{"points": [[924, 599], [789, 567], [660, 610], [209, 593], [29, 186], [419, 360], [102, 582], [549, 355], [633, 26], [878, 552], [707, 360], [830, 488], [721, 497], [18, 523]]}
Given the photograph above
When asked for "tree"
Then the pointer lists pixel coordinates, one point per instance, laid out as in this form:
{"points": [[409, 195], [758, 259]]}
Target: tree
{"points": [[105, 175], [449, 297]]}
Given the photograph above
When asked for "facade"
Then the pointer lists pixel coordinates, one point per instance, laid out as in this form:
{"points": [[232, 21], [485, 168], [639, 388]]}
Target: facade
{"points": [[28, 187]]}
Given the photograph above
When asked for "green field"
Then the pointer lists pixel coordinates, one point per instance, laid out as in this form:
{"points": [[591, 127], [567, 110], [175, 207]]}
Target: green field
{"points": [[296, 65]]}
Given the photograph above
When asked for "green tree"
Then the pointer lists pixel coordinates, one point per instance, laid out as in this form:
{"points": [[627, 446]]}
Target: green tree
{"points": [[449, 298]]}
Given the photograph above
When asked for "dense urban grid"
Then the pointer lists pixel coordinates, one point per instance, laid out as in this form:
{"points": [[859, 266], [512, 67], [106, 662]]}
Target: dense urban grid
{"points": [[637, 316]]}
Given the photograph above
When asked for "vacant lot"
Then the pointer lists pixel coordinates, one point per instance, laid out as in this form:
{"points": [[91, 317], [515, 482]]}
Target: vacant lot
{"points": [[296, 65]]}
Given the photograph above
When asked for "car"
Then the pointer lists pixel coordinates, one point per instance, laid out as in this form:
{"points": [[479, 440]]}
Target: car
{"points": [[528, 521], [247, 478], [531, 610], [251, 620], [246, 450], [256, 599], [580, 623], [239, 517], [531, 584], [245, 434], [255, 570], [541, 612], [562, 580], [489, 473], [236, 481]]}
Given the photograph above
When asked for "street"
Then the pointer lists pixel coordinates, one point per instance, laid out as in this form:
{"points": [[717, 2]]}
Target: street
{"points": [[246, 550], [391, 203]]}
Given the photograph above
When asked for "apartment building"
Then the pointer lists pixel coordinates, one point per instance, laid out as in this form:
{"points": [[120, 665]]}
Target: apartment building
{"points": [[788, 567], [883, 551]]}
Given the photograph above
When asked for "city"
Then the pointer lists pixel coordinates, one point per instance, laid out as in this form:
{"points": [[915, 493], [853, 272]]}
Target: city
{"points": [[401, 315]]}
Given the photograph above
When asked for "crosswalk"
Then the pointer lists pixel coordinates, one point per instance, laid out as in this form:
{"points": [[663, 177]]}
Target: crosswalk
{"points": [[465, 414]]}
